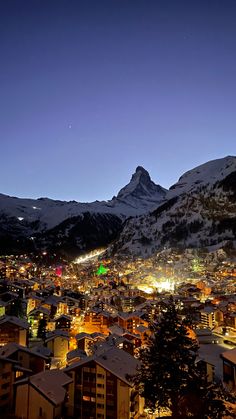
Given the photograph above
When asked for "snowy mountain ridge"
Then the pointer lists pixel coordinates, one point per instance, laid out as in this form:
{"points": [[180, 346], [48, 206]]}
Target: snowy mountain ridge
{"points": [[199, 211], [33, 223], [138, 197], [208, 173]]}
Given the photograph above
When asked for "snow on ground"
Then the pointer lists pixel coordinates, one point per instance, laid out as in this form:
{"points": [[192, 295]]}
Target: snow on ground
{"points": [[138, 197], [210, 172], [211, 353]]}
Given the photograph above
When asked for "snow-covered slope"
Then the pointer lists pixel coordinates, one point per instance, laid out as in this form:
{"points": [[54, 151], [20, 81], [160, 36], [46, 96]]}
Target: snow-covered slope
{"points": [[141, 187], [23, 219], [200, 210], [138, 197], [206, 174]]}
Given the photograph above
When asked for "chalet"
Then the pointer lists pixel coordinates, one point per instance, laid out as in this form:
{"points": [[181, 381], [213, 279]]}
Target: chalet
{"points": [[13, 329], [43, 395]]}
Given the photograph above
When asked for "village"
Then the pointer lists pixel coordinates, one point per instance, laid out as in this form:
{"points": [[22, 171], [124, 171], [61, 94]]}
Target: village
{"points": [[59, 318]]}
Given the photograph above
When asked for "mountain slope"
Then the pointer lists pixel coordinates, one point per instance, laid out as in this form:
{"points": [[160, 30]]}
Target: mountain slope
{"points": [[33, 223], [199, 210]]}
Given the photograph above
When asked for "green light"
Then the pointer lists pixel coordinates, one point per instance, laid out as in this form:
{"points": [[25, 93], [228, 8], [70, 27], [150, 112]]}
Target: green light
{"points": [[101, 270]]}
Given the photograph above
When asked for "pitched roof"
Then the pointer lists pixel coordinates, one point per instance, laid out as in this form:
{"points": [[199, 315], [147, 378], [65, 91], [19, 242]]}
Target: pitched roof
{"points": [[14, 320], [114, 360], [55, 334], [63, 316], [51, 384], [11, 348], [115, 329], [76, 353], [127, 316], [40, 309], [230, 355], [119, 363], [83, 335]]}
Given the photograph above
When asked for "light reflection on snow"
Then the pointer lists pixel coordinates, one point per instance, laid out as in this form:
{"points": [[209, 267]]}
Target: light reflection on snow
{"points": [[90, 255], [157, 285]]}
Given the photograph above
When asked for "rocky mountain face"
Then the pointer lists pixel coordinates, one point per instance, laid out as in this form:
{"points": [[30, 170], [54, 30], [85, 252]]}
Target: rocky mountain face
{"points": [[73, 227], [141, 189], [198, 211]]}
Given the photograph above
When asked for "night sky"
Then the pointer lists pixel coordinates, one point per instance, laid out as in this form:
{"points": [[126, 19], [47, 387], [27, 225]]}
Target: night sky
{"points": [[89, 89]]}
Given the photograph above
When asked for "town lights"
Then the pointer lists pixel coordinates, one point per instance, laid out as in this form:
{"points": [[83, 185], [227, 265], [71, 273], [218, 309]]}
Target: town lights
{"points": [[157, 285]]}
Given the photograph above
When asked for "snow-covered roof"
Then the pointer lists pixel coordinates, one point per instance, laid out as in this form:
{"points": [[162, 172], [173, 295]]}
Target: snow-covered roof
{"points": [[9, 349], [55, 334], [230, 355], [126, 316], [142, 329], [40, 309], [91, 336], [83, 335], [207, 310], [76, 353], [14, 320], [51, 384], [116, 361], [115, 329], [42, 350], [53, 300]]}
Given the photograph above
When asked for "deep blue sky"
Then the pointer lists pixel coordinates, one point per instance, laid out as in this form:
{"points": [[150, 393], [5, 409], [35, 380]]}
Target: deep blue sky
{"points": [[89, 89]]}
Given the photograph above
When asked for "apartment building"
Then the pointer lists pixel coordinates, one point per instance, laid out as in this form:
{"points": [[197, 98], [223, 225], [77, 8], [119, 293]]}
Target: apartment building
{"points": [[207, 317], [102, 387]]}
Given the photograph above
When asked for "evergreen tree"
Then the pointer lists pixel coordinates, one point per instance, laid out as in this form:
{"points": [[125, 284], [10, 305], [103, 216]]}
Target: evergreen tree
{"points": [[42, 329], [169, 376]]}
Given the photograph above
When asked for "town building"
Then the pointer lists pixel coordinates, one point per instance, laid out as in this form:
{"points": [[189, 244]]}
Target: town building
{"points": [[7, 378], [27, 358], [43, 395], [13, 329], [207, 317], [102, 387], [229, 368]]}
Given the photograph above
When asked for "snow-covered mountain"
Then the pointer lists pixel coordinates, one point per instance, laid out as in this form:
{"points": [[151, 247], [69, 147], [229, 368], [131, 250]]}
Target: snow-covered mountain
{"points": [[141, 188], [206, 174], [26, 223], [199, 211]]}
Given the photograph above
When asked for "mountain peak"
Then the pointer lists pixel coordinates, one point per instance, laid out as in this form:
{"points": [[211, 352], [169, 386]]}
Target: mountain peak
{"points": [[140, 169], [142, 187], [141, 175], [198, 211]]}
